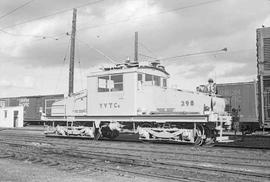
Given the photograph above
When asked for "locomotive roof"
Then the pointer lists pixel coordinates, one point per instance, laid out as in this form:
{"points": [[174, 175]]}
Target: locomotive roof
{"points": [[131, 67]]}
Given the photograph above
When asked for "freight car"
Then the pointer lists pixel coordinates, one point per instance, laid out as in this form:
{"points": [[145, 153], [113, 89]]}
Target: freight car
{"points": [[134, 98], [243, 98], [263, 73], [33, 106]]}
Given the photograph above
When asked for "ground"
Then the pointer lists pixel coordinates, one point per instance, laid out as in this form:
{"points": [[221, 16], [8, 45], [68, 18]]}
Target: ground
{"points": [[19, 171]]}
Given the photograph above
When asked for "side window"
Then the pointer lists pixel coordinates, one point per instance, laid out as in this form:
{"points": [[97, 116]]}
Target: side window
{"points": [[110, 83], [5, 113], [103, 84], [153, 80], [156, 80], [140, 77], [164, 83], [148, 79], [117, 83]]}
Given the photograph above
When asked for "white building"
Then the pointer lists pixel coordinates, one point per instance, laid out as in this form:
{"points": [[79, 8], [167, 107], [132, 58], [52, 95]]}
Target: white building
{"points": [[11, 117]]}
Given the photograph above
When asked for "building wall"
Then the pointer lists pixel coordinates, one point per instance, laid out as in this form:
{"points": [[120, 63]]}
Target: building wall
{"points": [[8, 117]]}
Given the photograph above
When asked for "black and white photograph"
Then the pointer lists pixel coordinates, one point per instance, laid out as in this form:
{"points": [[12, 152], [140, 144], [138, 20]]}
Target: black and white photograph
{"points": [[134, 90]]}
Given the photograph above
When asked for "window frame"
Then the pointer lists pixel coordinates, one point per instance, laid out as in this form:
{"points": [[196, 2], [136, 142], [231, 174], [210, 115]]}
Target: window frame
{"points": [[164, 83], [108, 81], [5, 114]]}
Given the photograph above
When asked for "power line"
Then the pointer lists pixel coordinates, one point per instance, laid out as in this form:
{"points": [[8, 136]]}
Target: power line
{"points": [[146, 48], [186, 55], [63, 66], [79, 62], [52, 14], [105, 24], [28, 35], [17, 8], [99, 51], [158, 13], [147, 56], [195, 54]]}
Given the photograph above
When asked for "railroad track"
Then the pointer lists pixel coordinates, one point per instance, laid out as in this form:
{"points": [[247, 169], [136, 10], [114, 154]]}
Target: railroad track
{"points": [[129, 159], [79, 163], [202, 155]]}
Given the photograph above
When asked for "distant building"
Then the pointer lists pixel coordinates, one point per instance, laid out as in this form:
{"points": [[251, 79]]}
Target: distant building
{"points": [[11, 117]]}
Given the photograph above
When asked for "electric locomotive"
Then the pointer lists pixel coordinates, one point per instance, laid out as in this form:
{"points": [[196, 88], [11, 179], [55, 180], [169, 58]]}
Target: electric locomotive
{"points": [[134, 98]]}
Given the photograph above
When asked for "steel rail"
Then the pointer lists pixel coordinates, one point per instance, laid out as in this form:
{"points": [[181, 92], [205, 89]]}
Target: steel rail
{"points": [[116, 158], [133, 149]]}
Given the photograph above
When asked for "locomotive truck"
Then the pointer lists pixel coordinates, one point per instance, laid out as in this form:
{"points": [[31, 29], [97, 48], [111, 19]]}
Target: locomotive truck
{"points": [[134, 98]]}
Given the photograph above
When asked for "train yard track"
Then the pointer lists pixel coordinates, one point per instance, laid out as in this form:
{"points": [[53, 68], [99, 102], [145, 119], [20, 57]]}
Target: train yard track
{"points": [[164, 162]]}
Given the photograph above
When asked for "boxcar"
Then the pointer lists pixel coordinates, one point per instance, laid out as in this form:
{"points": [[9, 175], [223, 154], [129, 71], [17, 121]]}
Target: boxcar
{"points": [[33, 105], [242, 96]]}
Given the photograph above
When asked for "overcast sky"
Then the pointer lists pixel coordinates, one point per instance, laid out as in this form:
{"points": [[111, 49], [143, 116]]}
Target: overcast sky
{"points": [[32, 52]]}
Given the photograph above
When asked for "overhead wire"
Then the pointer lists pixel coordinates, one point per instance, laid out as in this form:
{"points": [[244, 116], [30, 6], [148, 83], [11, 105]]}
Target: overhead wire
{"points": [[105, 24], [17, 8], [43, 17], [79, 63], [146, 48], [146, 56], [52, 14], [63, 65], [99, 51], [195, 54], [28, 35], [152, 14]]}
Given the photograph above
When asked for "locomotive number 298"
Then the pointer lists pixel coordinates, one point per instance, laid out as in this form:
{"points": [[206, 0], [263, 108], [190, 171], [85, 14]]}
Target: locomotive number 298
{"points": [[187, 103]]}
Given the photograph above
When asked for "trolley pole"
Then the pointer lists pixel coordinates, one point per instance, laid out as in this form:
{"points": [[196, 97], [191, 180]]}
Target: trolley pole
{"points": [[72, 54], [136, 47]]}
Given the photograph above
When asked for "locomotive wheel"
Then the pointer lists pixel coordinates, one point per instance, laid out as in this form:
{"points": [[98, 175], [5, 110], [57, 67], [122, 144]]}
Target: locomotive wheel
{"points": [[97, 134], [210, 135], [108, 133], [147, 125], [198, 138]]}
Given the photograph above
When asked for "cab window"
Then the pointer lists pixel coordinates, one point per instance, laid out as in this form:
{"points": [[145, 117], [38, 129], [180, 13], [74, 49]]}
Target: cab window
{"points": [[117, 83], [148, 78], [156, 80], [103, 84], [164, 84], [110, 83], [140, 77]]}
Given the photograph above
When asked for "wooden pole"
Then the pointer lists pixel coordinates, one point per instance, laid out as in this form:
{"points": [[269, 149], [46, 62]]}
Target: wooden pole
{"points": [[136, 47], [72, 54]]}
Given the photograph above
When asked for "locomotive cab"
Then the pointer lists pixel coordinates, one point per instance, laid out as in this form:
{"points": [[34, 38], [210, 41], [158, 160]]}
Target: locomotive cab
{"points": [[116, 90]]}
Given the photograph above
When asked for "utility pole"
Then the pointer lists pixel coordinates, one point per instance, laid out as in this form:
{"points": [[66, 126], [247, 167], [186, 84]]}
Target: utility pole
{"points": [[72, 54], [136, 47]]}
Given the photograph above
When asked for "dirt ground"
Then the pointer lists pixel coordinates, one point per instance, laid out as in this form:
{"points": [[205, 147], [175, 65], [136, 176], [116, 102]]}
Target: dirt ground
{"points": [[20, 171]]}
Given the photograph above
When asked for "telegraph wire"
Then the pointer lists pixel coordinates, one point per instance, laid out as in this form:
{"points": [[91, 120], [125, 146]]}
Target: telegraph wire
{"points": [[146, 48], [158, 13], [187, 55], [28, 35], [105, 24], [143, 55], [79, 63], [43, 17], [17, 8], [99, 51], [52, 14], [195, 54], [63, 65]]}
